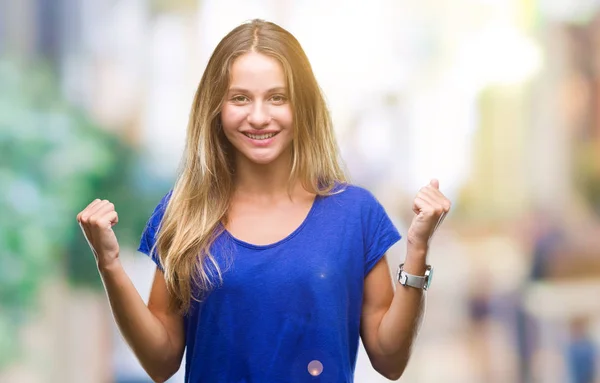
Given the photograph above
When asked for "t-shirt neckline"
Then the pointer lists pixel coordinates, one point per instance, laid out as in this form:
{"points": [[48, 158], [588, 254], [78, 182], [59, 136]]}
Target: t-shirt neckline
{"points": [[281, 241]]}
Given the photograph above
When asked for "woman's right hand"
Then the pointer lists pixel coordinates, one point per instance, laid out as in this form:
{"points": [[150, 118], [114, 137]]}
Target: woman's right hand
{"points": [[97, 220]]}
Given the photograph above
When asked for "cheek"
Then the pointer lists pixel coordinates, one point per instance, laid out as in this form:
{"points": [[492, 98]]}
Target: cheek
{"points": [[232, 117], [284, 116]]}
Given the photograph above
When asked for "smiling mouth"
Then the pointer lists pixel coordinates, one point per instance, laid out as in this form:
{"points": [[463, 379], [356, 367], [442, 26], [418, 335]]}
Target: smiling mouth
{"points": [[260, 136]]}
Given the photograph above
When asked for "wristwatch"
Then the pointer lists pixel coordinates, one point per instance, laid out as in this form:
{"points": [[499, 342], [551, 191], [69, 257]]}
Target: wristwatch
{"points": [[419, 282]]}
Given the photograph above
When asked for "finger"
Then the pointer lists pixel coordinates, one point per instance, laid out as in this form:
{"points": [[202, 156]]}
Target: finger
{"points": [[435, 183], [87, 227], [100, 216], [93, 211], [432, 201], [105, 218], [447, 205], [419, 204], [423, 205], [112, 217], [89, 211], [438, 197], [433, 191], [91, 205]]}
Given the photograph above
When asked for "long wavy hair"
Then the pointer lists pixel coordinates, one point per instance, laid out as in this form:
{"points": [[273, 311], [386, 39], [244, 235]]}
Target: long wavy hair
{"points": [[197, 209]]}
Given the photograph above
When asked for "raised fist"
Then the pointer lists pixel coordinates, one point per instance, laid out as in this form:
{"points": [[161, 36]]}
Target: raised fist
{"points": [[96, 222]]}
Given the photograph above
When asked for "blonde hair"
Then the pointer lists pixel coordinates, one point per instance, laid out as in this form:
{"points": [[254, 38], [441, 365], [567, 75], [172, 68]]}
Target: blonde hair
{"points": [[202, 192]]}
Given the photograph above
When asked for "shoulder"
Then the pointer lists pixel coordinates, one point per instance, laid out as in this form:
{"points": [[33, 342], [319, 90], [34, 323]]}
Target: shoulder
{"points": [[355, 201], [159, 210], [355, 194], [164, 201], [152, 226]]}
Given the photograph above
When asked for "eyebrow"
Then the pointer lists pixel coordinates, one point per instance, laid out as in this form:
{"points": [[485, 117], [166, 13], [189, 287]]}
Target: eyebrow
{"points": [[272, 90]]}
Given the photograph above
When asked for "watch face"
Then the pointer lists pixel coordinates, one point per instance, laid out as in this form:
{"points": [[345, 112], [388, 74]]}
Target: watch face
{"points": [[429, 277], [403, 278]]}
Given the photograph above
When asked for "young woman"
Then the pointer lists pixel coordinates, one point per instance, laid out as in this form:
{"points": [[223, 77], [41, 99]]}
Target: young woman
{"points": [[269, 264]]}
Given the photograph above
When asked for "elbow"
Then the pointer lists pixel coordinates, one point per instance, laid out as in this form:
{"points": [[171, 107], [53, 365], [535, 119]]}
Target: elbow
{"points": [[160, 373], [161, 376], [391, 369], [391, 374], [159, 379]]}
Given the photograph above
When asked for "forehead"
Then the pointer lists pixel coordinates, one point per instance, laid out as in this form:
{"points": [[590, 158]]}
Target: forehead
{"points": [[256, 71]]}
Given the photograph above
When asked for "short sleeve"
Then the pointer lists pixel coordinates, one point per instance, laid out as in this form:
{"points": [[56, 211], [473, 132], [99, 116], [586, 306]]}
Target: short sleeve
{"points": [[151, 230], [380, 232]]}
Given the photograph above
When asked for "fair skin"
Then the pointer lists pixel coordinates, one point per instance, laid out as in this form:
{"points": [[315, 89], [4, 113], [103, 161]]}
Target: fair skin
{"points": [[263, 211], [390, 320], [154, 332]]}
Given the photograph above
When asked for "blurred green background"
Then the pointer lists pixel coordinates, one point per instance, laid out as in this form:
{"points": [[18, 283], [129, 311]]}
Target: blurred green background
{"points": [[55, 160]]}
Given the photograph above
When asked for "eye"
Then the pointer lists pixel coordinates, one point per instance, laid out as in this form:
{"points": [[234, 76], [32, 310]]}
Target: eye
{"points": [[278, 99], [240, 99]]}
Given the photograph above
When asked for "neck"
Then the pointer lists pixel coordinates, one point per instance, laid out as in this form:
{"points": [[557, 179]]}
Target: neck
{"points": [[266, 181]]}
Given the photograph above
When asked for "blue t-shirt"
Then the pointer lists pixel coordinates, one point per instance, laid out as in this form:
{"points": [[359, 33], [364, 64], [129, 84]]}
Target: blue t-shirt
{"points": [[290, 308]]}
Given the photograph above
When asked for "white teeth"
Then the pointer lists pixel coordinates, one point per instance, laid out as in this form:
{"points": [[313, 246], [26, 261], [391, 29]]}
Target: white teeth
{"points": [[260, 136]]}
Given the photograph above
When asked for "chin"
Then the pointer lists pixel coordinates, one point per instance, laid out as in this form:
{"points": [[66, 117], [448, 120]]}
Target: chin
{"points": [[261, 160], [264, 158]]}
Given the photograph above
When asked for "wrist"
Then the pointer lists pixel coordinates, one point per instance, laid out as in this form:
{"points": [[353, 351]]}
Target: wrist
{"points": [[417, 249], [416, 259], [110, 266], [419, 277]]}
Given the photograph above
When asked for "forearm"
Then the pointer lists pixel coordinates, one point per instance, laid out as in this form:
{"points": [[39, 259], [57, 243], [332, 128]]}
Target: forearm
{"points": [[400, 324], [142, 330]]}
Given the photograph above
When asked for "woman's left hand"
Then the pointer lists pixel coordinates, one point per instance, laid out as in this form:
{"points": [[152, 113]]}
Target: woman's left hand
{"points": [[430, 207]]}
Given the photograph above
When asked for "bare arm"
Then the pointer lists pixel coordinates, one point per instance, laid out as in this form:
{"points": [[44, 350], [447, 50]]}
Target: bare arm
{"points": [[390, 321], [155, 332]]}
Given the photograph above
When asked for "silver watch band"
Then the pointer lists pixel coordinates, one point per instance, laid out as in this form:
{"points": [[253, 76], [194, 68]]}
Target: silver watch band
{"points": [[419, 282]]}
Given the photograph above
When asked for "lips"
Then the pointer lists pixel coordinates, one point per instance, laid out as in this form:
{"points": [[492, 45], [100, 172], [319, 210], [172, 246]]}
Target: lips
{"points": [[260, 136]]}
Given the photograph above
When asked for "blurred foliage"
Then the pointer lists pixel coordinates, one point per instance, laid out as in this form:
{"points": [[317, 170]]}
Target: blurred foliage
{"points": [[53, 161]]}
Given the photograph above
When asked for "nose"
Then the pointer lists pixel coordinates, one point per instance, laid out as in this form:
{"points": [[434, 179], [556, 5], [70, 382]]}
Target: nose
{"points": [[259, 116]]}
